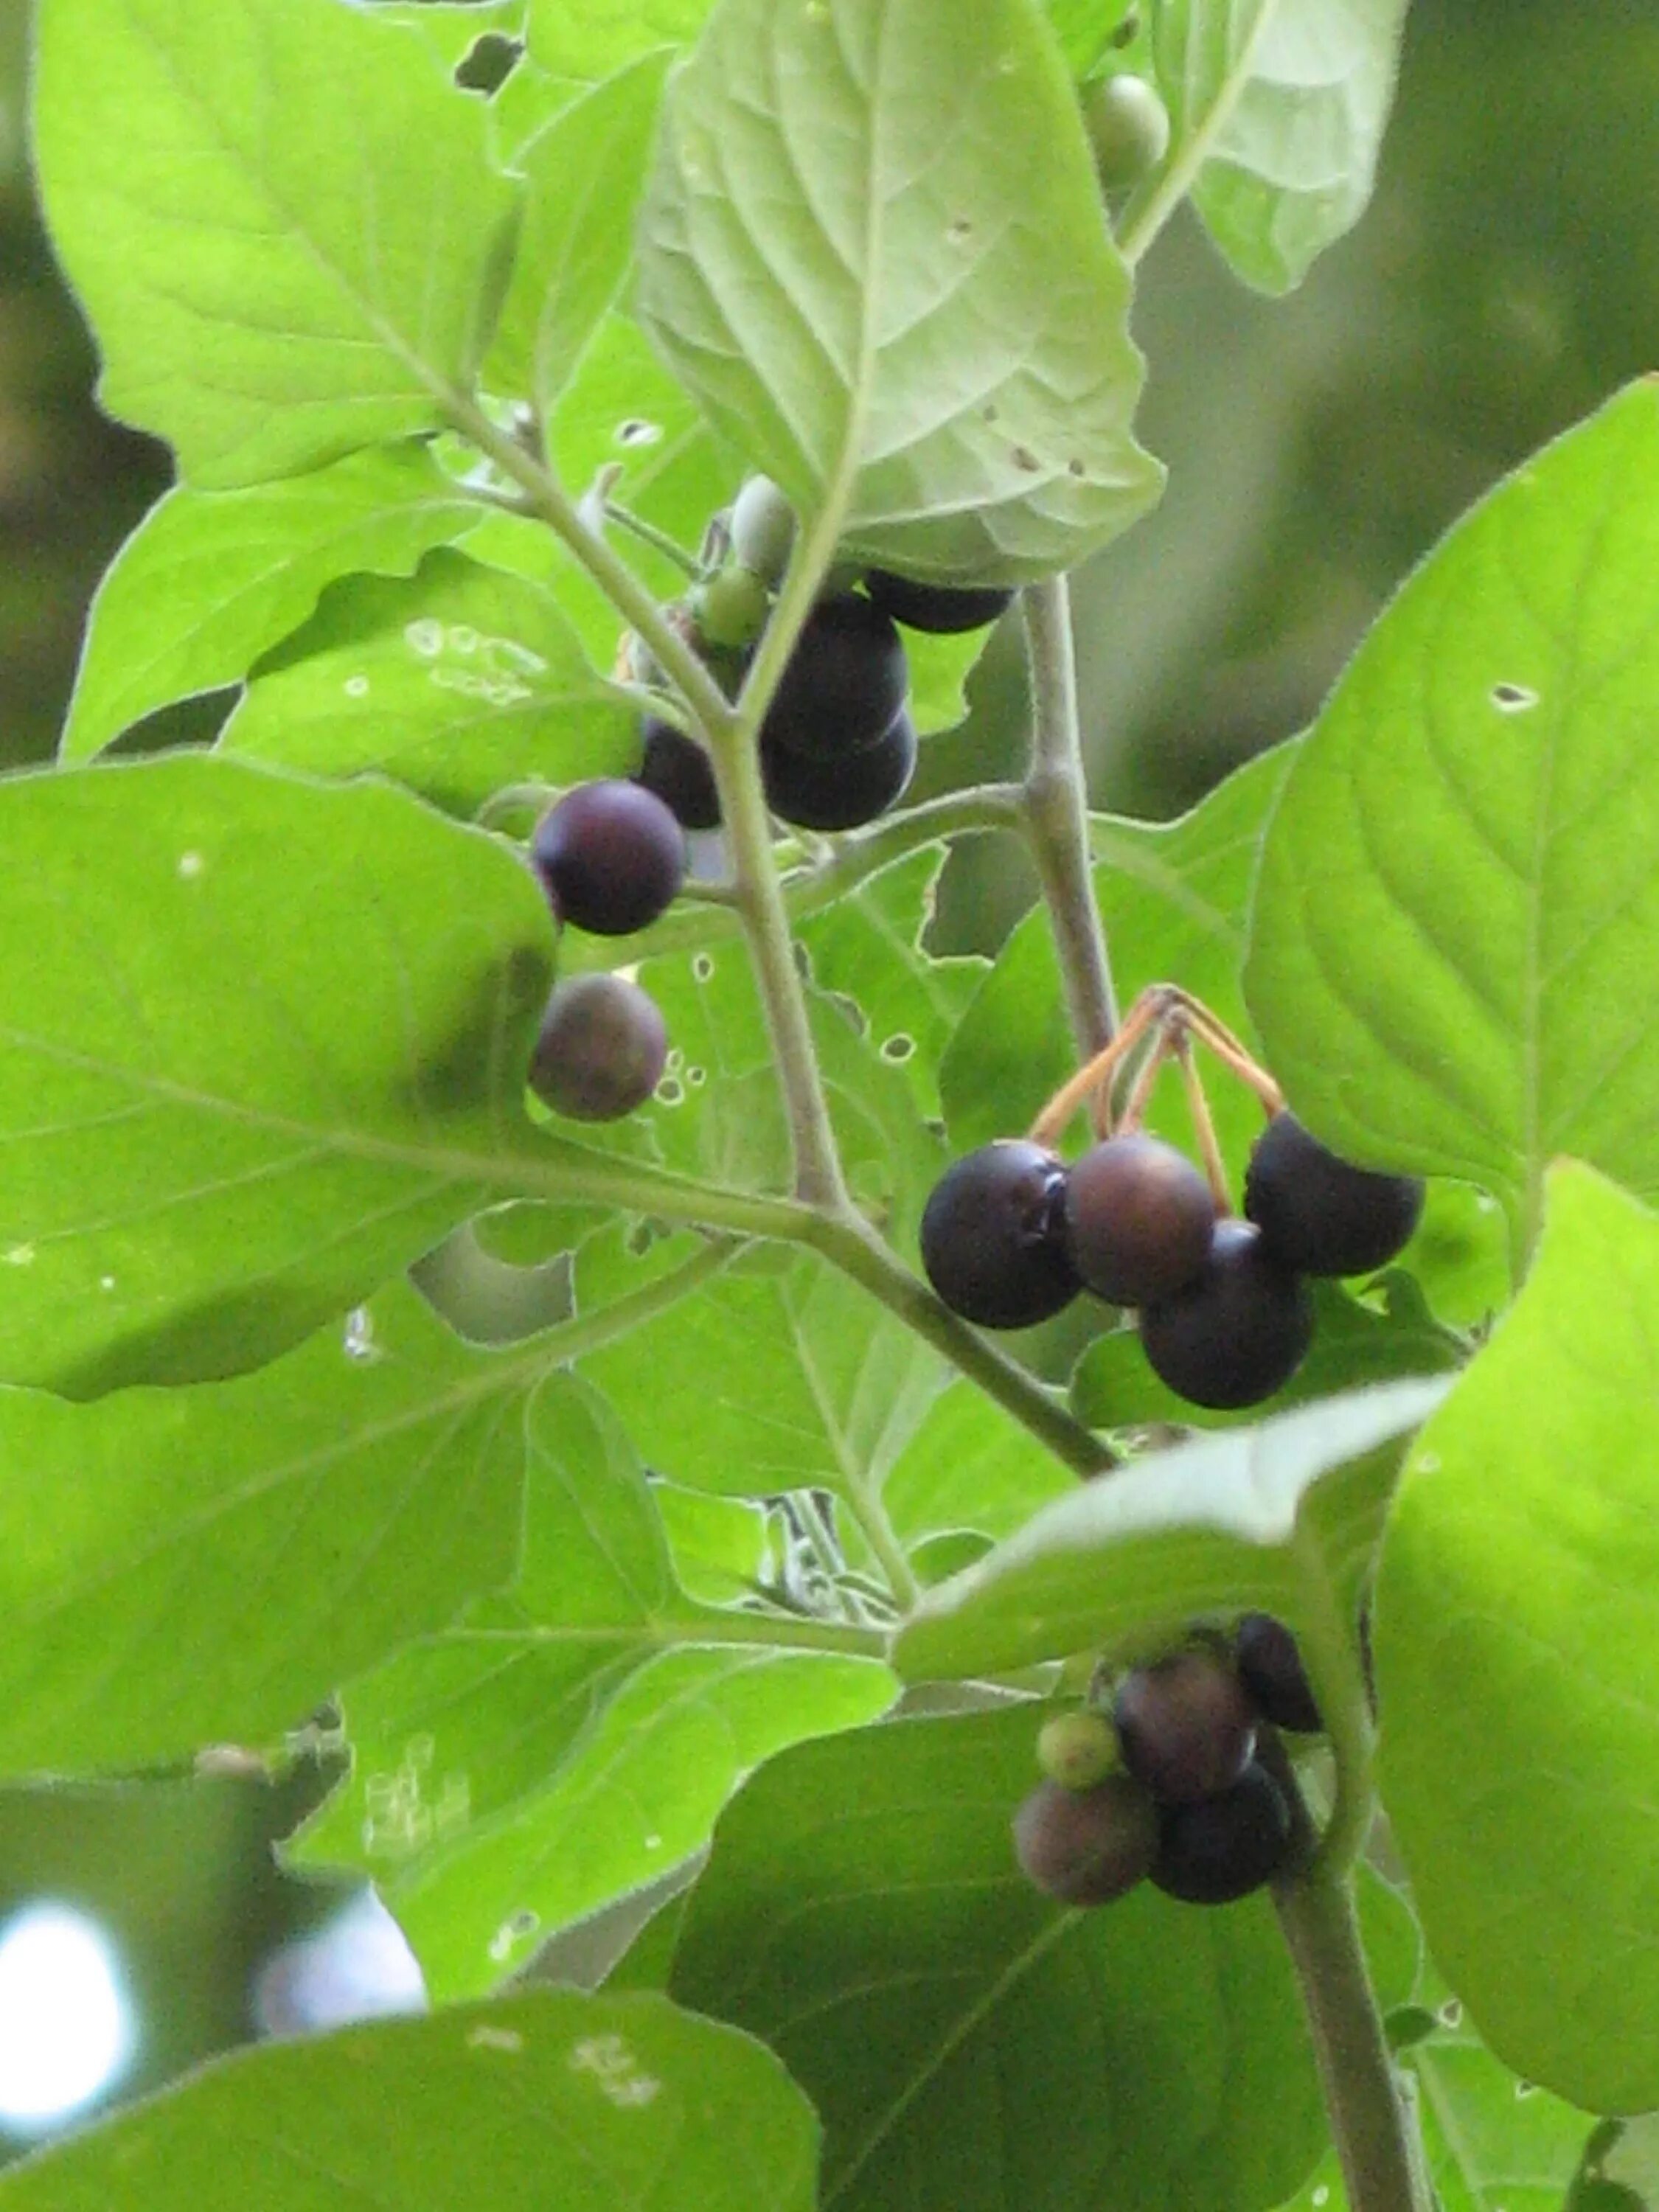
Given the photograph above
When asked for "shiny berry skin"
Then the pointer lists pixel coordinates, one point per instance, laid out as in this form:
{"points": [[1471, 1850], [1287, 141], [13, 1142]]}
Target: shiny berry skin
{"points": [[1138, 1220], [1270, 1667], [843, 686], [1320, 1214], [940, 608], [601, 1049], [1225, 1846], [611, 856], [844, 794], [676, 769], [1086, 1846], [1185, 1727], [991, 1239], [1238, 1333]]}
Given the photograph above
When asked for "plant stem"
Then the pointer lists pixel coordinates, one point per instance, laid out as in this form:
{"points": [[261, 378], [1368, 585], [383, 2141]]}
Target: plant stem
{"points": [[881, 1537], [715, 1624], [648, 534], [1056, 811], [1370, 2122]]}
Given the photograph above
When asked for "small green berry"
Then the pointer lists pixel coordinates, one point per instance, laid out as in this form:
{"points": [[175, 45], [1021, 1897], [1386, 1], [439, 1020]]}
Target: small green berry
{"points": [[1077, 1750], [763, 530], [1128, 128], [730, 607]]}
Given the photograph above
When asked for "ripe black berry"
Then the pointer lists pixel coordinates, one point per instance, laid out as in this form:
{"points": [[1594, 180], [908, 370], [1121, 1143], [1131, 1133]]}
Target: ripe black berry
{"points": [[991, 1236], [1225, 1846], [1235, 1334], [1319, 1213], [1086, 1846], [844, 794], [1138, 1220], [934, 607], [1270, 1667], [1186, 1727], [611, 856], [843, 684], [601, 1049], [676, 769]]}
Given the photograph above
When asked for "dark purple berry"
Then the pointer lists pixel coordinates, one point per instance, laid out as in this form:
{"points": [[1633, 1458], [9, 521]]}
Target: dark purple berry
{"points": [[991, 1236], [601, 1049], [1238, 1333], [839, 794], [941, 609], [843, 686], [1320, 1214], [1186, 1727], [611, 856], [1138, 1220], [1086, 1846], [676, 769], [1225, 1846], [1270, 1667]]}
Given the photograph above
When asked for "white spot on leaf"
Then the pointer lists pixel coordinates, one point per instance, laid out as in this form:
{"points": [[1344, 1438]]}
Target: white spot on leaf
{"points": [[357, 687], [190, 866], [485, 2037], [614, 2067]]}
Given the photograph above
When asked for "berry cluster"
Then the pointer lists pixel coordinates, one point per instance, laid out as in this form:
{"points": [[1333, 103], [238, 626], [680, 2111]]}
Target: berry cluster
{"points": [[1169, 1787], [1012, 1233]]}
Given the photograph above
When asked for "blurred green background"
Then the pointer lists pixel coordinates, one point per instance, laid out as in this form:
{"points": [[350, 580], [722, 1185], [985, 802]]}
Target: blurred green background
{"points": [[1505, 281]]}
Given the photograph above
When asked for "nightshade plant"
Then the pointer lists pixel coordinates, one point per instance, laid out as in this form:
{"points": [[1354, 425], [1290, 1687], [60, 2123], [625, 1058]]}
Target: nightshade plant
{"points": [[666, 1545]]}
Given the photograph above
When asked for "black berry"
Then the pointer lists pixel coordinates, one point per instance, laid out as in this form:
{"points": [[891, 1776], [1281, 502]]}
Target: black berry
{"points": [[601, 1049], [839, 794], [1185, 1726], [611, 856], [1319, 1213], [1238, 1333], [1225, 1846], [843, 686], [1138, 1220], [938, 608], [676, 769], [1086, 1846], [1270, 1667], [991, 1236]]}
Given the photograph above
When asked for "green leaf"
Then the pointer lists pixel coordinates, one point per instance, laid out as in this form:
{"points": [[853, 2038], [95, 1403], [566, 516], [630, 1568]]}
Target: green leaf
{"points": [[1494, 2143], [279, 216], [969, 1466], [721, 1547], [971, 2046], [1513, 1628], [453, 27], [555, 2098], [602, 36], [1387, 1336], [1455, 952], [584, 175], [1279, 109], [1086, 29], [266, 1048], [458, 681], [374, 1478], [1281, 1518], [939, 345], [209, 580]]}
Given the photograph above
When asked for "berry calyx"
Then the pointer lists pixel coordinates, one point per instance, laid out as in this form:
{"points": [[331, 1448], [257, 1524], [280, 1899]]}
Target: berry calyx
{"points": [[611, 856], [1236, 1334], [678, 770], [763, 530], [600, 1050], [991, 1240], [1185, 1726], [1270, 1667], [1077, 1750], [844, 794], [1087, 1846], [1225, 1846], [1128, 128], [843, 686], [943, 610], [1138, 1220], [1321, 1214]]}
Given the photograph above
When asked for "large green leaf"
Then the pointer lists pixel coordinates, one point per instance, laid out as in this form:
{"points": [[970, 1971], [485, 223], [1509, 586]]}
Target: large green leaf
{"points": [[209, 580], [969, 2043], [1283, 1518], [458, 681], [1454, 952], [263, 1045], [593, 2103], [1278, 108], [601, 36], [181, 1567], [1494, 2143], [939, 344], [279, 215], [1515, 1641], [970, 1467]]}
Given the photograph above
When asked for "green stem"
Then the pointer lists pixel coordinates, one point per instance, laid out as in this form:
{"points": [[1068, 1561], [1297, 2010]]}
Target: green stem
{"points": [[881, 1537], [716, 1623], [1370, 2122], [1056, 814], [660, 540]]}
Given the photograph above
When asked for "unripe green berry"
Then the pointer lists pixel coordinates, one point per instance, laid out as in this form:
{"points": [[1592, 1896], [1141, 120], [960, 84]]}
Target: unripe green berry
{"points": [[1128, 128], [763, 530], [1077, 1750], [730, 607]]}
